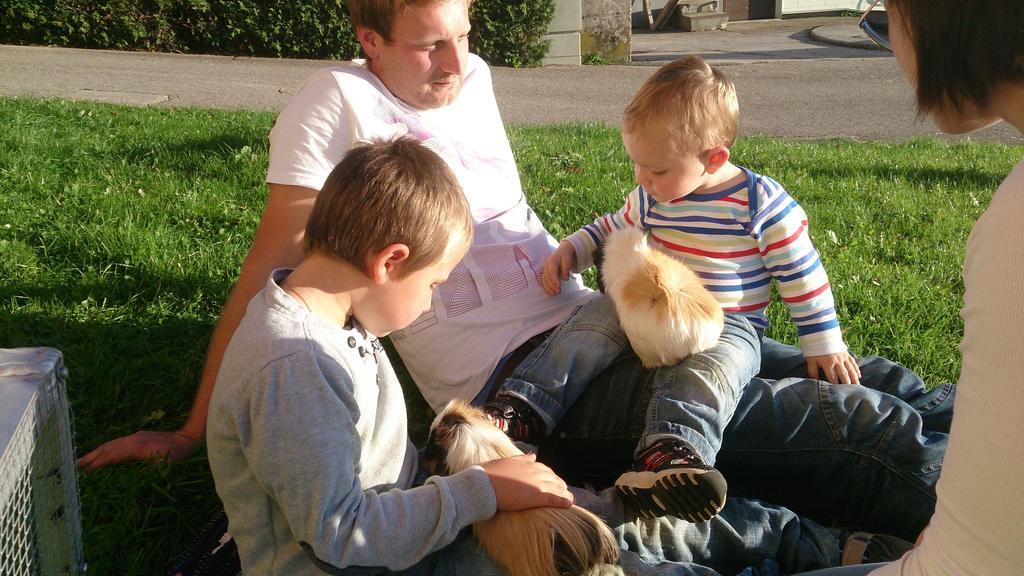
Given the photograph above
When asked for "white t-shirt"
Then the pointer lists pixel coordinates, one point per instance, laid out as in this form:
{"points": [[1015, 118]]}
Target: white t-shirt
{"points": [[492, 301], [978, 525]]}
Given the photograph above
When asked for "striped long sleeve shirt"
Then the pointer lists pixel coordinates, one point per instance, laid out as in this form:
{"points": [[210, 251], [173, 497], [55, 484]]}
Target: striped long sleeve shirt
{"points": [[737, 240]]}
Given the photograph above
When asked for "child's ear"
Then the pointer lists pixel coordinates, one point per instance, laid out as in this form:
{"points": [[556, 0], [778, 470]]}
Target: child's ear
{"points": [[387, 264], [715, 158]]}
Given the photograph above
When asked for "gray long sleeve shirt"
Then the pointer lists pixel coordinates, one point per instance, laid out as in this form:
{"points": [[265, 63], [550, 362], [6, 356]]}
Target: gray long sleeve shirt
{"points": [[310, 454]]}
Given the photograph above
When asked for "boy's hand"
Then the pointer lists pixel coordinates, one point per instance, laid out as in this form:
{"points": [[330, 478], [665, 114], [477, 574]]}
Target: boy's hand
{"points": [[520, 482], [838, 368], [557, 268], [142, 445]]}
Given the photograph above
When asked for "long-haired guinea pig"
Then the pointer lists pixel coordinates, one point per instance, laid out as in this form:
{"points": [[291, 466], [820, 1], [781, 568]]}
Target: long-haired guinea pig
{"points": [[664, 309], [534, 542]]}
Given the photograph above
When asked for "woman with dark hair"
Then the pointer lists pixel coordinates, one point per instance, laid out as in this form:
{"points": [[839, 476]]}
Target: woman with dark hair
{"points": [[965, 60]]}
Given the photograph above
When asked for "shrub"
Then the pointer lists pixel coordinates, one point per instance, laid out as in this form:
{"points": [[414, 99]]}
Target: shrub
{"points": [[505, 32], [310, 29], [118, 24], [511, 32]]}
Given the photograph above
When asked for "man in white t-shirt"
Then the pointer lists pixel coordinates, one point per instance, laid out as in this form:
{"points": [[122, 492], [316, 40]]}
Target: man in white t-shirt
{"points": [[802, 442]]}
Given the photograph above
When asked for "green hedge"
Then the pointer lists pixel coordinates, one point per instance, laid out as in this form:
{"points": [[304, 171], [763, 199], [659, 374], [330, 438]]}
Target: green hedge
{"points": [[505, 32], [509, 32]]}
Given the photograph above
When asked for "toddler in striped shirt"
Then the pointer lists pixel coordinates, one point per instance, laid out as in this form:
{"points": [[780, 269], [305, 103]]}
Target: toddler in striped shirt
{"points": [[737, 230]]}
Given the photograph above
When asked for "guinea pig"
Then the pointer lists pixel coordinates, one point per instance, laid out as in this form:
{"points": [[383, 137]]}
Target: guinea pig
{"points": [[534, 542], [664, 309]]}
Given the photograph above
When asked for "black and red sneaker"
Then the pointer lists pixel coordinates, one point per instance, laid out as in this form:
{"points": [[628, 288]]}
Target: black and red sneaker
{"points": [[515, 417], [669, 478]]}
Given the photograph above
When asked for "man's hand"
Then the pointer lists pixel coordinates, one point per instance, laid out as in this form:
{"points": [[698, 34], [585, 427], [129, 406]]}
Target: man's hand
{"points": [[557, 268], [278, 243], [520, 482], [838, 368], [142, 445]]}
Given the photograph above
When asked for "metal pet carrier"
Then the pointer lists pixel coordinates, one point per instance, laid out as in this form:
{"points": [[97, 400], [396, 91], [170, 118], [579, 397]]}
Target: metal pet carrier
{"points": [[40, 525]]}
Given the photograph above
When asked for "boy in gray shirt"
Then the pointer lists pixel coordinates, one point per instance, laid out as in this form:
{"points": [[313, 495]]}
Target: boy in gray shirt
{"points": [[307, 424]]}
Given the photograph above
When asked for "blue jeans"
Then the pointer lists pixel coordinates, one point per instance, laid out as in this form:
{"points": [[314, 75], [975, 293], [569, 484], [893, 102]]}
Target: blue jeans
{"points": [[844, 455], [935, 406], [847, 456], [743, 535], [693, 400]]}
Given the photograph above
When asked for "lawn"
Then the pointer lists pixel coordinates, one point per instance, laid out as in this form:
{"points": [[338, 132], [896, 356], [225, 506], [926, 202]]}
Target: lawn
{"points": [[122, 230]]}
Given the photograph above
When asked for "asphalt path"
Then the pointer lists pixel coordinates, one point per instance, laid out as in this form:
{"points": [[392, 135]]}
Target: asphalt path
{"points": [[789, 86]]}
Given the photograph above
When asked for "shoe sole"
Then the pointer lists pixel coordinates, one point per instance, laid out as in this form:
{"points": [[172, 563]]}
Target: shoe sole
{"points": [[694, 495]]}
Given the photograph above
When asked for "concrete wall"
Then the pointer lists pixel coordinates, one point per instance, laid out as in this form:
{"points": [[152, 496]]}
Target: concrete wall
{"points": [[812, 6], [606, 29], [564, 33]]}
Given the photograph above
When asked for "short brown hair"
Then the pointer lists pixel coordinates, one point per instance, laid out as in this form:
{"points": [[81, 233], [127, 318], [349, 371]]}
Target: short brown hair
{"points": [[379, 15], [965, 50], [388, 192], [694, 105]]}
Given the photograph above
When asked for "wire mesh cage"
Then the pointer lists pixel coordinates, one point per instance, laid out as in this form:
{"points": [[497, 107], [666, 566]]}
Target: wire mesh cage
{"points": [[40, 523]]}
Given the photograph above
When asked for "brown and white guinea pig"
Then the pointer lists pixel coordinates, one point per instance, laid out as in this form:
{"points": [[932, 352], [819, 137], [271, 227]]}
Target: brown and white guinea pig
{"points": [[535, 542], [664, 309]]}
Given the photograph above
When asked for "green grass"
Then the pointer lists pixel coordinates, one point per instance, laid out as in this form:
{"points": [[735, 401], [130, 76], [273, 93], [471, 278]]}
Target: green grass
{"points": [[122, 230]]}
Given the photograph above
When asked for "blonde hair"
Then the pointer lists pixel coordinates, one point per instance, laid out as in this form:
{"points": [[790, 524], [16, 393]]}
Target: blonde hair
{"points": [[379, 15], [389, 192], [690, 103]]}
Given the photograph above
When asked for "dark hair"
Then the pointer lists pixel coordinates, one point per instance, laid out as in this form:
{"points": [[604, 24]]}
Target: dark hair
{"points": [[388, 192], [966, 49]]}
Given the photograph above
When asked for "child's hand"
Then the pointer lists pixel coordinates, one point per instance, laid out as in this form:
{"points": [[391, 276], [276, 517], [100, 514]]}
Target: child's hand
{"points": [[520, 482], [557, 268], [838, 368]]}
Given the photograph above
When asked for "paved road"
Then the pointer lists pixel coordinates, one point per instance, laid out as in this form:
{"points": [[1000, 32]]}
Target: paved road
{"points": [[789, 84]]}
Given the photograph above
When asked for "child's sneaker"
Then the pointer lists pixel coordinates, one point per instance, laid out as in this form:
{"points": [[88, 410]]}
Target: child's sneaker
{"points": [[515, 418], [669, 478]]}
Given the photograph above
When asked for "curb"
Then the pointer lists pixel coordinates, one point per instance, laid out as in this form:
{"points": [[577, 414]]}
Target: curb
{"points": [[846, 35]]}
